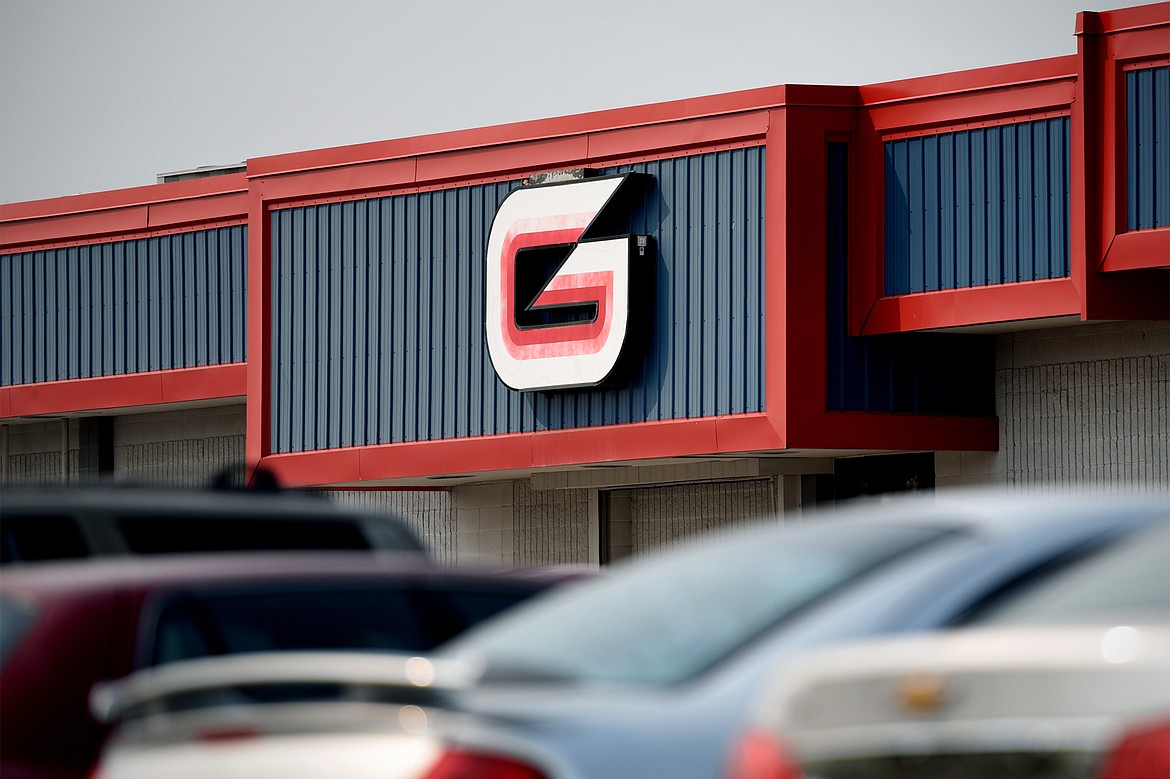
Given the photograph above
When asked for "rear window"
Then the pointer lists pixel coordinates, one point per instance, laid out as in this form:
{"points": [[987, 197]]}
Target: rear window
{"points": [[174, 534], [1128, 580], [661, 621], [392, 617], [16, 617], [31, 537]]}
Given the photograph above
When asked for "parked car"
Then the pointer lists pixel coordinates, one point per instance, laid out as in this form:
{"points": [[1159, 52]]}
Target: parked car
{"points": [[1069, 680], [65, 626], [651, 669], [56, 522]]}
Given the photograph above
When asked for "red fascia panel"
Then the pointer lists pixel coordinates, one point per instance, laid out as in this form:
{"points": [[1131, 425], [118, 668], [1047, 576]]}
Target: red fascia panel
{"points": [[973, 306], [619, 119], [135, 389], [502, 159], [899, 432], [970, 107], [1140, 249], [1122, 19], [969, 81], [418, 459], [678, 135], [140, 210]]}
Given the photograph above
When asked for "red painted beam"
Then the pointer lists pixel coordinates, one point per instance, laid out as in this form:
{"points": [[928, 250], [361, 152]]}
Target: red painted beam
{"points": [[129, 390]]}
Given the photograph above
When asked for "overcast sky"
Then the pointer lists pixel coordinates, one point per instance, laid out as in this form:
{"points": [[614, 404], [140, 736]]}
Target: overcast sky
{"points": [[99, 95]]}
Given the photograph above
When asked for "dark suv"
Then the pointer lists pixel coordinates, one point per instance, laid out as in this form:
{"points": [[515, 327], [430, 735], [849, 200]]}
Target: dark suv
{"points": [[67, 522]]}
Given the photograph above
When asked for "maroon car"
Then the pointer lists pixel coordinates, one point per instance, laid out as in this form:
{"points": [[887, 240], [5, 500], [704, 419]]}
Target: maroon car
{"points": [[65, 626]]}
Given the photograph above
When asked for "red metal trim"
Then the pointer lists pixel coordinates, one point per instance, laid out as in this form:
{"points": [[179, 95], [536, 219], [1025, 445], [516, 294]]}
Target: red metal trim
{"points": [[1139, 249], [130, 212], [899, 432], [524, 451], [1109, 44], [211, 382], [973, 306], [621, 119]]}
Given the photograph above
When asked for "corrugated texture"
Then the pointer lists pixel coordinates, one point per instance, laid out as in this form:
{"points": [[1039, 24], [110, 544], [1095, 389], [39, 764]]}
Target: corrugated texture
{"points": [[1148, 147], [977, 207], [175, 301], [1100, 421], [665, 516], [551, 526], [378, 314], [910, 372], [429, 513]]}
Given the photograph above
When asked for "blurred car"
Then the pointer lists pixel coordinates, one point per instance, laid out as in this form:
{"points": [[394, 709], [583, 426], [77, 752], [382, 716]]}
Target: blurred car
{"points": [[68, 625], [57, 522], [651, 669], [1069, 679]]}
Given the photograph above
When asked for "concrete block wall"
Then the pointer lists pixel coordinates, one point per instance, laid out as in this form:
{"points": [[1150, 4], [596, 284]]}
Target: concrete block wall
{"points": [[39, 452], [178, 448], [1088, 404], [430, 513]]}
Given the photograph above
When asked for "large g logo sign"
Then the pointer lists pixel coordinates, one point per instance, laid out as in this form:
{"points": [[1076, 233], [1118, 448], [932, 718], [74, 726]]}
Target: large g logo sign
{"points": [[557, 307]]}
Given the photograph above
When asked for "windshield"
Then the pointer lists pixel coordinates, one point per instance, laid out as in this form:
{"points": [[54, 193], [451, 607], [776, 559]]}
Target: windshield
{"points": [[663, 620], [1128, 580]]}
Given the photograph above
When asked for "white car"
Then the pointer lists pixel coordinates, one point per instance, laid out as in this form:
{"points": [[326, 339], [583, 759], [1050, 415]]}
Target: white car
{"points": [[1068, 680]]}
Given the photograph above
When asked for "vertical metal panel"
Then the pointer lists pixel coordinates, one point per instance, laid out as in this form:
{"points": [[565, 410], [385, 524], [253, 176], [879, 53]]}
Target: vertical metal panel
{"points": [[407, 272], [1148, 147], [919, 373], [124, 307], [977, 207]]}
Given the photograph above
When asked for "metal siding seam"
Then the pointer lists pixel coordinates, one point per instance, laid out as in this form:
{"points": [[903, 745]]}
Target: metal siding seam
{"points": [[1040, 200], [1011, 187], [947, 239], [6, 311], [463, 315], [426, 317], [121, 330], [994, 203], [694, 387], [680, 311], [757, 334], [476, 381], [963, 176], [1026, 265], [664, 319], [293, 331], [384, 317], [448, 384], [736, 373], [216, 354], [85, 310], [365, 333], [931, 217], [1133, 150], [350, 267], [1161, 129], [1145, 161], [979, 174], [414, 302], [1058, 132], [403, 293], [916, 213], [21, 327], [713, 280], [313, 334]]}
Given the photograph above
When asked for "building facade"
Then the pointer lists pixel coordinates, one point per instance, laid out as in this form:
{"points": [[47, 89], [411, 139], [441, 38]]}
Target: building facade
{"points": [[571, 340]]}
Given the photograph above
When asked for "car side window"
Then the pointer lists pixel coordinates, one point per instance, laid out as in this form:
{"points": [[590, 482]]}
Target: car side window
{"points": [[41, 537]]}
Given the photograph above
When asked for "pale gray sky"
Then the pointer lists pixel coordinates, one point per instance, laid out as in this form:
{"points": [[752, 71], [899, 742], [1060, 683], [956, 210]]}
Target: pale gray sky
{"points": [[104, 94]]}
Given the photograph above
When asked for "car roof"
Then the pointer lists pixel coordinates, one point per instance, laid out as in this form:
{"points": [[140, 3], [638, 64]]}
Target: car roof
{"points": [[146, 500], [75, 576]]}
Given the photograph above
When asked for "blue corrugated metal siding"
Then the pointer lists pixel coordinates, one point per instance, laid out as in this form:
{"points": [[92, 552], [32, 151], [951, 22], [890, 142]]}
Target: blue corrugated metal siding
{"points": [[1148, 147], [910, 372], [378, 316], [977, 207], [175, 301]]}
